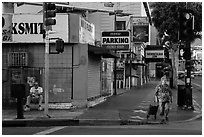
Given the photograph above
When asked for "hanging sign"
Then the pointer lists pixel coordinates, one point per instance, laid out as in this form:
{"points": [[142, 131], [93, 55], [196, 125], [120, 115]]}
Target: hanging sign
{"points": [[140, 31], [86, 32]]}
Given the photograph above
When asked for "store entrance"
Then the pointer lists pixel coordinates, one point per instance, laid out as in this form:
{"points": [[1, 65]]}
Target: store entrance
{"points": [[159, 71]]}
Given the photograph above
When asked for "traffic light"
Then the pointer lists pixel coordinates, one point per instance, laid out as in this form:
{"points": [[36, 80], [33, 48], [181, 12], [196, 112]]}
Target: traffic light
{"points": [[181, 51], [188, 64], [187, 54], [186, 25], [59, 45], [49, 13]]}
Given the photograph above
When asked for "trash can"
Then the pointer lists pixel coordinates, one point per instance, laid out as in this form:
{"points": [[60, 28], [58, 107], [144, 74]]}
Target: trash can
{"points": [[19, 91], [181, 96]]}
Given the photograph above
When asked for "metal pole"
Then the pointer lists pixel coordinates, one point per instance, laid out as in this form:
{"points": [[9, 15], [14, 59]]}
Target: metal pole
{"points": [[130, 68], [46, 66], [72, 92], [188, 87], [189, 102], [115, 62]]}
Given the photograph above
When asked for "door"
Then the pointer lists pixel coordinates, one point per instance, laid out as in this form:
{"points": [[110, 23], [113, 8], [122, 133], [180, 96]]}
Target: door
{"points": [[159, 71]]}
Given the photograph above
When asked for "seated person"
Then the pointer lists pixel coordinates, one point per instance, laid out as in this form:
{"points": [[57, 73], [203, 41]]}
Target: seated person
{"points": [[35, 94]]}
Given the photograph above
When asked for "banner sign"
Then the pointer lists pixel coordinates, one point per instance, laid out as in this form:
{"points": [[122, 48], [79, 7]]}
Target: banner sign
{"points": [[117, 40], [86, 32], [29, 28], [140, 29]]}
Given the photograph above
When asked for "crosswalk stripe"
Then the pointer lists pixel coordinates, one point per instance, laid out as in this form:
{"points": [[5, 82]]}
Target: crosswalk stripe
{"points": [[196, 85], [137, 117], [45, 132], [141, 111]]}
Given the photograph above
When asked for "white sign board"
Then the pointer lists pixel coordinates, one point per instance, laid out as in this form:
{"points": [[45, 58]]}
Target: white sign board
{"points": [[86, 32], [29, 28], [154, 53]]}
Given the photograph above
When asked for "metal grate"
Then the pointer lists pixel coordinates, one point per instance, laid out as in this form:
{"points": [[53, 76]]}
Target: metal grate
{"points": [[17, 59]]}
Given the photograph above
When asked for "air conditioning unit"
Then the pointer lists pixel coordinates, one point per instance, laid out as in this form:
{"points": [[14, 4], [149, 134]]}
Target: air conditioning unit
{"points": [[18, 59]]}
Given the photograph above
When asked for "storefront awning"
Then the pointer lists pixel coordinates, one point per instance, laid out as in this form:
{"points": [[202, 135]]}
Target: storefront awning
{"points": [[139, 64], [100, 51]]}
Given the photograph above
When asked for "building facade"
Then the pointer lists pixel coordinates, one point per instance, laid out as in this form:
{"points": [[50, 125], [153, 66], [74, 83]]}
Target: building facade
{"points": [[131, 68], [84, 70]]}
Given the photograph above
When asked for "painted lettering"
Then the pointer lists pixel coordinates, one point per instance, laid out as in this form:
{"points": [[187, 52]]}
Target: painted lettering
{"points": [[21, 28], [27, 28], [115, 40], [14, 28], [86, 25]]}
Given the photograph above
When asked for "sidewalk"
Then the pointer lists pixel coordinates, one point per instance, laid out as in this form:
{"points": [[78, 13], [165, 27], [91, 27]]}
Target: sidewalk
{"points": [[127, 107]]}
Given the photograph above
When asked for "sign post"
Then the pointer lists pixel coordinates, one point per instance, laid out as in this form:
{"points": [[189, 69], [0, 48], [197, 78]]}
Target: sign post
{"points": [[115, 62], [116, 40]]}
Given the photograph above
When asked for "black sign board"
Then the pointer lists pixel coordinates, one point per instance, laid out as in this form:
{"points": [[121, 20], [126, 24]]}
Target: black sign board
{"points": [[117, 40]]}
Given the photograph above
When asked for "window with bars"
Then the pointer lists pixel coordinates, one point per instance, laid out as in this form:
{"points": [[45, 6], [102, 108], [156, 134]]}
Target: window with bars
{"points": [[120, 25], [17, 59]]}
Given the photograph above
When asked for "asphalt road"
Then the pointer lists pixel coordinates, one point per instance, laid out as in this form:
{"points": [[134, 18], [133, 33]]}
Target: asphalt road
{"points": [[186, 128], [197, 82], [197, 89]]}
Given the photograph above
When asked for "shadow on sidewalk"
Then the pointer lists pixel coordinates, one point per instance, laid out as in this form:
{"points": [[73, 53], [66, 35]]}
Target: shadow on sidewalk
{"points": [[129, 106]]}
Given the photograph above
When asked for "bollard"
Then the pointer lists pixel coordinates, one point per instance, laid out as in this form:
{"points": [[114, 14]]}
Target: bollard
{"points": [[20, 108]]}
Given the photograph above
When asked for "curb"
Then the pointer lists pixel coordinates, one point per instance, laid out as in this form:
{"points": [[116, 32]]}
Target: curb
{"points": [[70, 122], [82, 122], [39, 122]]}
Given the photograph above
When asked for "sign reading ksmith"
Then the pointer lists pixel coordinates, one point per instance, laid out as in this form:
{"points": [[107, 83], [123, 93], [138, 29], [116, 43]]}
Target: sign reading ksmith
{"points": [[119, 40]]}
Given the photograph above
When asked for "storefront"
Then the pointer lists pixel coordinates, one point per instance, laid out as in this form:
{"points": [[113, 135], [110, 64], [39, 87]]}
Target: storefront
{"points": [[74, 75]]}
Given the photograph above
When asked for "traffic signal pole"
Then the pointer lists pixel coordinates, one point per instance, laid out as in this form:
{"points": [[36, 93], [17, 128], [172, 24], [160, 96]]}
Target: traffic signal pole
{"points": [[186, 32], [46, 65], [46, 72], [189, 103]]}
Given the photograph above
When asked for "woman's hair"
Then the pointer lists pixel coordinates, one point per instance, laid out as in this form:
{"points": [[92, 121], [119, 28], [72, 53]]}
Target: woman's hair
{"points": [[163, 78]]}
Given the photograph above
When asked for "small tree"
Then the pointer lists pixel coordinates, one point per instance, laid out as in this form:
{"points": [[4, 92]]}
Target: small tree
{"points": [[165, 17]]}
